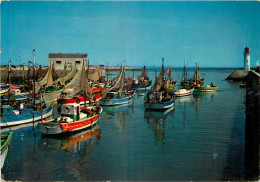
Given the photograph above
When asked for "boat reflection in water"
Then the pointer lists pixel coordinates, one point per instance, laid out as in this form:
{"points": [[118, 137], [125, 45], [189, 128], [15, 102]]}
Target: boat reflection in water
{"points": [[69, 141], [119, 114], [184, 99], [157, 122], [198, 98]]}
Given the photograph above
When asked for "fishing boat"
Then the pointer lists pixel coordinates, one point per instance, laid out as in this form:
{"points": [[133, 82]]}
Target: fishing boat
{"points": [[208, 88], [75, 91], [185, 85], [158, 98], [120, 93], [198, 83], [46, 82], [81, 99], [170, 84], [73, 118], [5, 142], [183, 92], [142, 84], [196, 79], [11, 117]]}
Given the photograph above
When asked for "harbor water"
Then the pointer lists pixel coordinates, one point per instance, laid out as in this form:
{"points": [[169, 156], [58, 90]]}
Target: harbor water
{"points": [[201, 138]]}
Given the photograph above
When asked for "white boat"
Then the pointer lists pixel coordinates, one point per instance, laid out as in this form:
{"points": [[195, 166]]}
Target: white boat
{"points": [[185, 87], [183, 92]]}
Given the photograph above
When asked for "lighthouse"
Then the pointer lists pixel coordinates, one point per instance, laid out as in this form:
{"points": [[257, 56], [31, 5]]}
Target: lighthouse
{"points": [[246, 59]]}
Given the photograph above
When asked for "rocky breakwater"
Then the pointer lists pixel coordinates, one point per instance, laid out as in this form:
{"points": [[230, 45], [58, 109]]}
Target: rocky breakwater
{"points": [[252, 131]]}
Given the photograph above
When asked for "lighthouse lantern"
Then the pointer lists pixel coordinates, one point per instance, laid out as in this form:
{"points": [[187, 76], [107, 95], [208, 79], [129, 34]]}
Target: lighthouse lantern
{"points": [[246, 59]]}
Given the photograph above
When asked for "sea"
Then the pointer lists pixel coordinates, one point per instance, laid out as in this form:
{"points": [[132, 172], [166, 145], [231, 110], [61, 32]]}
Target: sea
{"points": [[201, 139]]}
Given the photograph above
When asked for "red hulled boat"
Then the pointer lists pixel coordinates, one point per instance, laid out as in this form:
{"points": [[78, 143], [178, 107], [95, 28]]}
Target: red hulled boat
{"points": [[73, 118]]}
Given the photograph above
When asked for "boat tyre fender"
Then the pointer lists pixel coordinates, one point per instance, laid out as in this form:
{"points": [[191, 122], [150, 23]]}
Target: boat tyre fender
{"points": [[66, 109], [77, 100]]}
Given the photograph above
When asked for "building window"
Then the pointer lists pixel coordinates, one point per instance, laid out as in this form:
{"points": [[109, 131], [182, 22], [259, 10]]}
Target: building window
{"points": [[58, 62], [77, 62]]}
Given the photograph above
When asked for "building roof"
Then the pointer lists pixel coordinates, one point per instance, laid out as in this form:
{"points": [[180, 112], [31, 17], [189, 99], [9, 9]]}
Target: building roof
{"points": [[61, 55]]}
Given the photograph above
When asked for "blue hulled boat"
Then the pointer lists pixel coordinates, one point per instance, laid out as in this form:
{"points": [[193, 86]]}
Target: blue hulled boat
{"points": [[159, 104], [113, 98], [119, 94], [142, 84], [11, 117], [159, 98]]}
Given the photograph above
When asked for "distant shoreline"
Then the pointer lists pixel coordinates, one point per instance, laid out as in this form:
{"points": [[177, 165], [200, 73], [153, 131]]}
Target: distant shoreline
{"points": [[133, 68]]}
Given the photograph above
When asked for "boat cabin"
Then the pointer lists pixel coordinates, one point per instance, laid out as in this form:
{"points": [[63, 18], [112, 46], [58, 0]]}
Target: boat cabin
{"points": [[15, 91], [69, 109], [72, 110], [115, 95], [6, 110], [112, 95]]}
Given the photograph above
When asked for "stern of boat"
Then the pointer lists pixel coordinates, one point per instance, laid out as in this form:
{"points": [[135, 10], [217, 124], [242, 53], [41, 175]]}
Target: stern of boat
{"points": [[50, 128]]}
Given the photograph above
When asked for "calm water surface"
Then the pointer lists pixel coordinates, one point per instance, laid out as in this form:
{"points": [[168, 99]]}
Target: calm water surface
{"points": [[202, 138]]}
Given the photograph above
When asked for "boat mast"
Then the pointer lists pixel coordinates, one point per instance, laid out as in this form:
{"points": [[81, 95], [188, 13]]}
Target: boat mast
{"points": [[196, 74], [124, 74], [29, 69], [185, 69], [23, 74], [107, 71], [41, 108], [34, 94], [163, 70], [85, 95], [9, 82]]}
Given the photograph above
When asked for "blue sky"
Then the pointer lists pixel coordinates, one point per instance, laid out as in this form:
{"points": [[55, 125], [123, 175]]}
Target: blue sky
{"points": [[214, 34]]}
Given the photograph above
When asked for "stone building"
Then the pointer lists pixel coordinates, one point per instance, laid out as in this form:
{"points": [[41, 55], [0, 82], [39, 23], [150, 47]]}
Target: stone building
{"points": [[71, 60]]}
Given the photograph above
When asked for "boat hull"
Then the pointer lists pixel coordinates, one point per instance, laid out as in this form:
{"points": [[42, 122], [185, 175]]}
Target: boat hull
{"points": [[115, 101], [3, 156], [183, 92], [14, 120], [4, 146], [206, 89], [159, 106], [4, 91], [50, 128], [143, 88]]}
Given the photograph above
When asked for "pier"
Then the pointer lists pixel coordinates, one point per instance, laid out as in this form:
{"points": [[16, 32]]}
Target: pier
{"points": [[252, 149]]}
